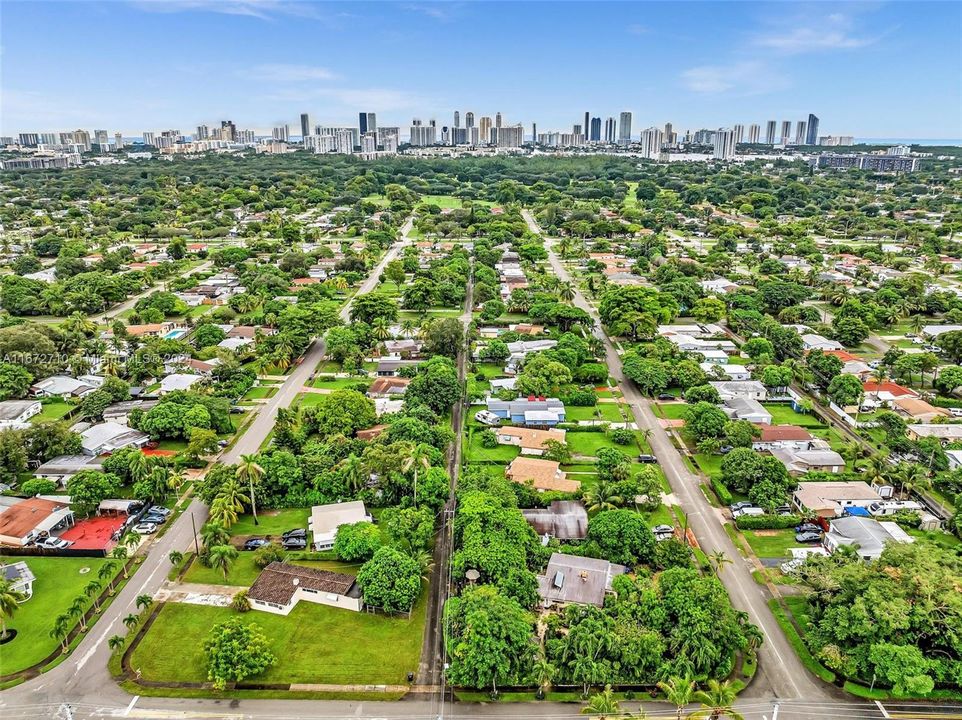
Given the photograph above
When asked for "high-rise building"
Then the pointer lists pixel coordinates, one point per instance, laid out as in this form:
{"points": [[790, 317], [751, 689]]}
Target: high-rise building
{"points": [[474, 135], [753, 132], [669, 136], [203, 133], [119, 141], [497, 121], [724, 144], [457, 119], [624, 128], [228, 130], [595, 133], [534, 133], [148, 138], [770, 132], [423, 135], [587, 125], [469, 119], [511, 136], [49, 139], [786, 132], [385, 136], [282, 133], [739, 131], [651, 141], [610, 127], [485, 128], [811, 134], [800, 132], [29, 139], [369, 143], [305, 125], [367, 122]]}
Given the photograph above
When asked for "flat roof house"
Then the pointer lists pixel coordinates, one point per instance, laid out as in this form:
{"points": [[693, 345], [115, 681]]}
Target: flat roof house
{"points": [[749, 389], [531, 442], [326, 519], [530, 411], [570, 579], [14, 414], [799, 462], [23, 520], [830, 499], [178, 381], [63, 467], [542, 474], [741, 408], [111, 436], [63, 386], [869, 537], [280, 586], [918, 410], [944, 432], [814, 341], [562, 519]]}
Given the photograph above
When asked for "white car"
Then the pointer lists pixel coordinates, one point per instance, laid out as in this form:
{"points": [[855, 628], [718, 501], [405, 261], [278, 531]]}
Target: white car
{"points": [[145, 528], [486, 417], [53, 543]]}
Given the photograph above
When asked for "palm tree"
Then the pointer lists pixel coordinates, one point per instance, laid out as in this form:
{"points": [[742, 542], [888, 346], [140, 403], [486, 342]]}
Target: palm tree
{"points": [[176, 557], [716, 701], [602, 497], [718, 558], [60, 630], [408, 326], [877, 469], [10, 600], [213, 533], [544, 673], [425, 562], [138, 468], [92, 590], [106, 573], [380, 329], [120, 552], [144, 601], [78, 609], [130, 620], [222, 557], [678, 691], [603, 704], [354, 471], [228, 503], [115, 642], [80, 323], [416, 457], [566, 291], [249, 471]]}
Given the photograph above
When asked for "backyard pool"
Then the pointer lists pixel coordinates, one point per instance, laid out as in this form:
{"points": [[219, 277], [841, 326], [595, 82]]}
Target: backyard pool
{"points": [[175, 334]]}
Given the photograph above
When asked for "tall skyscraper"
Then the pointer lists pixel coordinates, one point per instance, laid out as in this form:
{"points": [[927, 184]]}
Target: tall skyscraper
{"points": [[511, 136], [469, 119], [786, 132], [651, 141], [724, 144], [282, 133], [739, 131], [203, 133], [753, 132], [800, 132], [457, 119], [423, 135], [770, 132], [669, 136], [624, 128], [100, 137], [119, 141], [148, 138], [497, 121], [305, 125], [485, 128], [595, 135], [610, 127], [362, 122], [534, 133], [587, 125], [811, 135], [367, 122], [228, 130]]}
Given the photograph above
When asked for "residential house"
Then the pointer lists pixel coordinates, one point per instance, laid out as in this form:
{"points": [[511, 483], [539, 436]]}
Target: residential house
{"points": [[405, 348], [388, 387], [22, 521], [562, 519], [750, 389], [178, 381], [720, 286], [280, 586], [831, 499], [785, 437], [944, 432], [869, 537], [326, 519], [814, 341], [852, 364], [885, 392], [235, 343], [570, 579], [799, 462], [955, 459], [120, 412], [391, 366], [530, 411], [386, 406], [741, 408], [108, 437], [20, 577], [65, 386], [63, 467], [933, 331], [15, 414], [531, 442], [728, 371], [150, 329], [370, 433], [542, 474], [919, 411]]}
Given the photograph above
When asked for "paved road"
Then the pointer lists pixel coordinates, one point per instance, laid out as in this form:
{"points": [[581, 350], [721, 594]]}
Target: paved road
{"points": [[781, 675]]}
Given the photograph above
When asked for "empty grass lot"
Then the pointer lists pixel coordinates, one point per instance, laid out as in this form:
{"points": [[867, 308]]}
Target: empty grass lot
{"points": [[334, 383], [608, 412], [499, 454], [673, 411], [589, 443], [314, 644], [243, 572], [784, 415], [260, 392], [772, 543], [59, 581], [52, 411]]}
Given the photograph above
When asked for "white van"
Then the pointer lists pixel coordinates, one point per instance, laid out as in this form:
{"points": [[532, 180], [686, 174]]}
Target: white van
{"points": [[748, 511]]}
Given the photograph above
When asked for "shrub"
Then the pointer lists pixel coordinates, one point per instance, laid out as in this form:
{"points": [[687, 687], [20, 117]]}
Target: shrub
{"points": [[767, 522], [488, 439], [266, 555], [722, 491], [581, 398], [240, 602], [621, 436]]}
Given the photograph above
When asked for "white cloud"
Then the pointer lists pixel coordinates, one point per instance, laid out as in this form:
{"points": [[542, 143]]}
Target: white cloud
{"points": [[831, 33], [285, 73], [740, 78], [261, 9]]}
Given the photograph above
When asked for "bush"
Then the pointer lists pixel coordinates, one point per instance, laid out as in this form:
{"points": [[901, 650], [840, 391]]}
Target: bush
{"points": [[266, 555], [621, 436], [488, 439], [581, 398], [240, 602], [767, 522], [722, 491]]}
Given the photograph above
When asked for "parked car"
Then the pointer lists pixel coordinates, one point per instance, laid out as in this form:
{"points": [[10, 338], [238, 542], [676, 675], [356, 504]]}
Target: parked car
{"points": [[159, 510], [256, 543], [808, 537], [155, 519], [295, 533], [735, 507], [752, 510], [725, 449], [294, 543], [666, 396], [145, 528], [649, 459], [955, 412], [807, 528], [486, 417], [663, 530], [237, 410], [53, 543]]}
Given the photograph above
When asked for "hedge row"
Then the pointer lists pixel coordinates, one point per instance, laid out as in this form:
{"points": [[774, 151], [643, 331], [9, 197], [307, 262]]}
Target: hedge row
{"points": [[722, 491], [767, 522]]}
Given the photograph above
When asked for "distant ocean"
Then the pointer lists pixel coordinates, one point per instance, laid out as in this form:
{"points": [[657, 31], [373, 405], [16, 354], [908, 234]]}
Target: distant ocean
{"points": [[907, 141]]}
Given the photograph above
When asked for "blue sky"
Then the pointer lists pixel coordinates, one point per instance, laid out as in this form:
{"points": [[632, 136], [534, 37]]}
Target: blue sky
{"points": [[866, 69]]}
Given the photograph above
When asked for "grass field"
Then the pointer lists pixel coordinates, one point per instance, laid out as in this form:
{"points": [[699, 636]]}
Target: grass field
{"points": [[332, 383], [476, 452], [244, 571], [784, 415], [589, 443], [260, 392], [59, 581], [607, 411], [673, 411], [272, 522], [314, 644], [772, 543], [52, 411]]}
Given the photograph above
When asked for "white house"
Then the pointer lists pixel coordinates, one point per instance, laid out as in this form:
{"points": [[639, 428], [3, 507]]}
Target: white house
{"points": [[280, 586], [814, 341], [326, 519], [728, 370], [177, 381], [63, 467], [868, 537], [742, 408], [110, 436], [14, 414], [749, 389], [64, 385], [20, 577]]}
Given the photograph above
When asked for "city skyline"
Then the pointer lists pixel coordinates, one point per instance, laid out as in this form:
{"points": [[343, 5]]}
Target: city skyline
{"points": [[254, 61]]}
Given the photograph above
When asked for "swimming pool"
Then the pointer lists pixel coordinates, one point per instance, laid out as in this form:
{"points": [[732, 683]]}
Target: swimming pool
{"points": [[175, 334]]}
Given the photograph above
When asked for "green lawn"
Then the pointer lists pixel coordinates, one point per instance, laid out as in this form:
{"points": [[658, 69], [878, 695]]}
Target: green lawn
{"points": [[589, 443], [451, 202], [260, 392], [59, 581], [308, 399], [52, 411], [784, 415], [709, 464], [605, 411], [175, 445], [244, 571], [476, 452], [772, 543], [673, 411], [272, 522], [334, 383], [314, 644]]}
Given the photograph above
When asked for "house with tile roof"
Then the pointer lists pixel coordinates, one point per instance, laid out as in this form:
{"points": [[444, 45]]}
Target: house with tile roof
{"points": [[281, 585]]}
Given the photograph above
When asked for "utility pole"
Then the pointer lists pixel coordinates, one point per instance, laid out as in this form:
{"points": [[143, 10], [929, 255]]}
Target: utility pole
{"points": [[193, 526]]}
